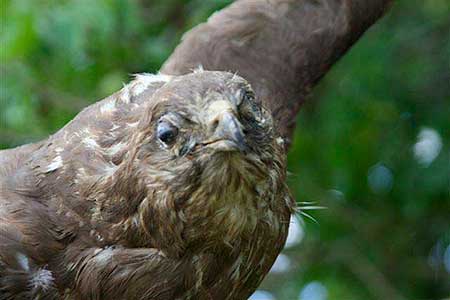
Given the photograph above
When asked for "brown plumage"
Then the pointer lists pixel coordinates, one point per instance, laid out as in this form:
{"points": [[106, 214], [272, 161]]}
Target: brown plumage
{"points": [[172, 188]]}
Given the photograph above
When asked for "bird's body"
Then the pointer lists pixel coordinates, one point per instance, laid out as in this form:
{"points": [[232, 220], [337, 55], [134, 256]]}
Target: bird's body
{"points": [[172, 188]]}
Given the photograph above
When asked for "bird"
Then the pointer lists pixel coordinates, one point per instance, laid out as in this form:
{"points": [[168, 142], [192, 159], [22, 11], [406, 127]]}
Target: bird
{"points": [[174, 187]]}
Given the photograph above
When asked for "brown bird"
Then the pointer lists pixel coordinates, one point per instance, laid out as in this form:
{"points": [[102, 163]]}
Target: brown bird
{"points": [[172, 188]]}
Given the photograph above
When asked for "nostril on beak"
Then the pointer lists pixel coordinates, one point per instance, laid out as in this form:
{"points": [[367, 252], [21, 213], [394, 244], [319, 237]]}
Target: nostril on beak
{"points": [[213, 125]]}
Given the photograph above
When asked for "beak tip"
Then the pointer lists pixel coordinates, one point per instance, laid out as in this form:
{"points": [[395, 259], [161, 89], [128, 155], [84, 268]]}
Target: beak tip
{"points": [[229, 128]]}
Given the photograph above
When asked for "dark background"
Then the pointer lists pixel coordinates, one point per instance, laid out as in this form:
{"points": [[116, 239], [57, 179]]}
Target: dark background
{"points": [[372, 142]]}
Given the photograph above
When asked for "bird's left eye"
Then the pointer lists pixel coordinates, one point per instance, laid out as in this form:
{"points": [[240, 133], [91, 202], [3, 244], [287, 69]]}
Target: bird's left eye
{"points": [[247, 95], [249, 109], [166, 132]]}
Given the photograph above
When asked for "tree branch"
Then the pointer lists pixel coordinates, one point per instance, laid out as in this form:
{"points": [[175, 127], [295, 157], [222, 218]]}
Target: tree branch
{"points": [[283, 47]]}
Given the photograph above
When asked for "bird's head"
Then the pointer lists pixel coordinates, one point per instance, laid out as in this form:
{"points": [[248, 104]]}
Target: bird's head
{"points": [[206, 147], [186, 152], [202, 118]]}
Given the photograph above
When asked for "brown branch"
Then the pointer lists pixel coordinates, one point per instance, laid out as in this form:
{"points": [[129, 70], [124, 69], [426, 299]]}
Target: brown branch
{"points": [[283, 47]]}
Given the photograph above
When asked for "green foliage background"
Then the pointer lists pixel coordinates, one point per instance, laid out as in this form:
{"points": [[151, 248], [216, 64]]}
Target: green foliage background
{"points": [[386, 232]]}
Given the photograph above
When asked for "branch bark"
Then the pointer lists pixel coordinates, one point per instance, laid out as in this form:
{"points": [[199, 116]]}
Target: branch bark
{"points": [[283, 47]]}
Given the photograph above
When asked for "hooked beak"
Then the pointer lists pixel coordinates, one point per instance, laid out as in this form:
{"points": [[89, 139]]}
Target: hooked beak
{"points": [[228, 135]]}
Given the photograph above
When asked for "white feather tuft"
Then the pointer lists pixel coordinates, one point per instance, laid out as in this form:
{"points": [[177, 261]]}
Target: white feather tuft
{"points": [[42, 279], [56, 163], [90, 143], [108, 107], [199, 69], [144, 80]]}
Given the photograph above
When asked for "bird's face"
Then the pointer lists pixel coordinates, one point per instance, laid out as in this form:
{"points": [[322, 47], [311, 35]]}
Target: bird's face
{"points": [[204, 120], [203, 154]]}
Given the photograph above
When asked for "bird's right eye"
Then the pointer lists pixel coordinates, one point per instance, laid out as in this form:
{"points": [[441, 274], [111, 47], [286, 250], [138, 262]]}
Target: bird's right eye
{"points": [[166, 132]]}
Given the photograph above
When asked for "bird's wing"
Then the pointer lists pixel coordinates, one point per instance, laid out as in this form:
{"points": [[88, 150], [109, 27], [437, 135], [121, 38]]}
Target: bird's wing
{"points": [[122, 273], [283, 47]]}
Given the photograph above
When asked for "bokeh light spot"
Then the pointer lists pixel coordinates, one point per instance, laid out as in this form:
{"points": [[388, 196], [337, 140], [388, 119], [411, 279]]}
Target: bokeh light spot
{"points": [[282, 264], [261, 295], [428, 146], [380, 179], [296, 233], [447, 259], [313, 291]]}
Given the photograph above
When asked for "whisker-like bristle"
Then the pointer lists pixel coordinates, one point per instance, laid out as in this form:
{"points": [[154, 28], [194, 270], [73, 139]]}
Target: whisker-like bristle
{"points": [[312, 207], [309, 217], [300, 210], [307, 202]]}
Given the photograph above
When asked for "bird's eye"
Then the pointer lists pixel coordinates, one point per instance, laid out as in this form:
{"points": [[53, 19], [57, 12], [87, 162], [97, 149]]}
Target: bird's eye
{"points": [[247, 95], [248, 107], [166, 132]]}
